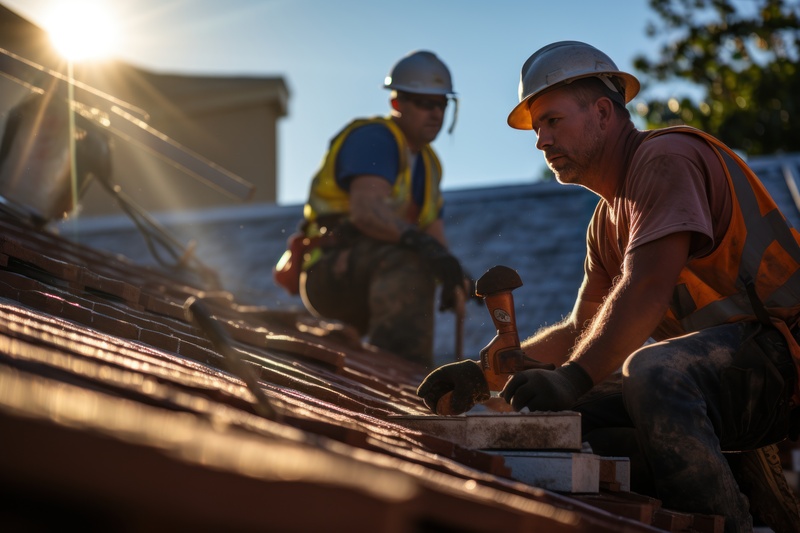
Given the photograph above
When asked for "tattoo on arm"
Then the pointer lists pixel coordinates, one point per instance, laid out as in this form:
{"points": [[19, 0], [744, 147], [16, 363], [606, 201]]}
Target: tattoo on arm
{"points": [[374, 217]]}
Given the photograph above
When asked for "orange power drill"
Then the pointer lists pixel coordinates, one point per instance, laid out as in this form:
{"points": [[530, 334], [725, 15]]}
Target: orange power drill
{"points": [[502, 357]]}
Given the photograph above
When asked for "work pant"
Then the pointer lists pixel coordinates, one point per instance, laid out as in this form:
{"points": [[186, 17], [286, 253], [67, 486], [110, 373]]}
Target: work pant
{"points": [[677, 405], [385, 291]]}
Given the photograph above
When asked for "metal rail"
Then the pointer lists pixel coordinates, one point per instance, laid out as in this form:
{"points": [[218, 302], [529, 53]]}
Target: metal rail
{"points": [[125, 121]]}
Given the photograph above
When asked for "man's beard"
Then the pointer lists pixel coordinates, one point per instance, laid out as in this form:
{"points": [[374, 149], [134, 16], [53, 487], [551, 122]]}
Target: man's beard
{"points": [[573, 166]]}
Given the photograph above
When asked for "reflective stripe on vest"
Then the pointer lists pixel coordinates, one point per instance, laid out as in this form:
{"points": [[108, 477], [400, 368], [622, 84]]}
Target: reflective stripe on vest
{"points": [[713, 290], [327, 198]]}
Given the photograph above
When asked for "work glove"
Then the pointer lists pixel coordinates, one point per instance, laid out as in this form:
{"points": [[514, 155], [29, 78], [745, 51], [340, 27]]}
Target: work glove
{"points": [[444, 265], [547, 390], [464, 379]]}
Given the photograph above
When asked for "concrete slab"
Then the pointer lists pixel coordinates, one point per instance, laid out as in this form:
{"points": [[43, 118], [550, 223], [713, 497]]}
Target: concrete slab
{"points": [[505, 431], [556, 471]]}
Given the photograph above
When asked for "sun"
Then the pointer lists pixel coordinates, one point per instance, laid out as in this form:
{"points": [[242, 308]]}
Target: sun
{"points": [[82, 29]]}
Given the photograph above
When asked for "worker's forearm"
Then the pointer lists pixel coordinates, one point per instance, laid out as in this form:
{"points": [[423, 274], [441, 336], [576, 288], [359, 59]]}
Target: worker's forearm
{"points": [[377, 220], [552, 344], [635, 306], [371, 210], [621, 326]]}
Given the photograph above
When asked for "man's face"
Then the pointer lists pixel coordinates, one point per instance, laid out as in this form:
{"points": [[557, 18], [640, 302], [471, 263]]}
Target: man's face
{"points": [[568, 134], [420, 117]]}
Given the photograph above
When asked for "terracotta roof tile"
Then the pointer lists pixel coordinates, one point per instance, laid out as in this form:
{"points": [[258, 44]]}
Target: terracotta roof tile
{"points": [[110, 397], [112, 400]]}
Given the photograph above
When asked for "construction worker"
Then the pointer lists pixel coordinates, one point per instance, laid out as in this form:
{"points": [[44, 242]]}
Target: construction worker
{"points": [[680, 345], [374, 216]]}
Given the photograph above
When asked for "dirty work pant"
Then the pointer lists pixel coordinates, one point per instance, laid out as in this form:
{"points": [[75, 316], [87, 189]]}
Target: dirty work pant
{"points": [[666, 410], [385, 291]]}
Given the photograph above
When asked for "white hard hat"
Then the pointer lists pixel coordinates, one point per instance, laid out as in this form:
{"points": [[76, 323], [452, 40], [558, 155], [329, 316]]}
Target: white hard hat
{"points": [[420, 72], [561, 63]]}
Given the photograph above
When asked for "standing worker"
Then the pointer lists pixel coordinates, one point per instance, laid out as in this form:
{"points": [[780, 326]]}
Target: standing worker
{"points": [[373, 219], [686, 248]]}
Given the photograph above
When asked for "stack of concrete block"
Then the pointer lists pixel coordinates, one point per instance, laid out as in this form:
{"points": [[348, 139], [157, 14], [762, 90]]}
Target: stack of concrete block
{"points": [[545, 450], [541, 449]]}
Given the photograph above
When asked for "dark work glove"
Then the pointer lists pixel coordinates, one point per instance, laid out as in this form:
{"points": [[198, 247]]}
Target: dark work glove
{"points": [[445, 266], [547, 390], [464, 379]]}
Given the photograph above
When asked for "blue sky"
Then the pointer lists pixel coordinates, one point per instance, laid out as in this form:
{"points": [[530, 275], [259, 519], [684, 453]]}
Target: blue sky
{"points": [[335, 54]]}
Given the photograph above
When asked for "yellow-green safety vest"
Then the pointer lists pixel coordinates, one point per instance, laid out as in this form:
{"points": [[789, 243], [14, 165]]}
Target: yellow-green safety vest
{"points": [[328, 198]]}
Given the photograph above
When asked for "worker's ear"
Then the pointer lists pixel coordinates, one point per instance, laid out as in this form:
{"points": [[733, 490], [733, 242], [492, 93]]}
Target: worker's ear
{"points": [[605, 110]]}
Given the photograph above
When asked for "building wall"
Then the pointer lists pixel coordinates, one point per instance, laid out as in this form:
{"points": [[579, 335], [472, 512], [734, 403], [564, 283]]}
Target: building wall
{"points": [[231, 122]]}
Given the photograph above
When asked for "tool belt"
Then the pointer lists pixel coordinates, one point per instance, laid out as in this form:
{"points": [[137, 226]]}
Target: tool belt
{"points": [[286, 272], [328, 232]]}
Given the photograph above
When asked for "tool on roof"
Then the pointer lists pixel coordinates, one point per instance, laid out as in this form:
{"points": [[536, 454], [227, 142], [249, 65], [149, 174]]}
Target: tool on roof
{"points": [[501, 358], [198, 314]]}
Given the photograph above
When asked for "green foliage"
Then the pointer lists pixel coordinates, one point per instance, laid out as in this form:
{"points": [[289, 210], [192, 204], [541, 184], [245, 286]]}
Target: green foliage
{"points": [[744, 55]]}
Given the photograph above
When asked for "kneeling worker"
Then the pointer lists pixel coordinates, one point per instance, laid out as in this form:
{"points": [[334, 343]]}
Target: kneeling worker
{"points": [[374, 212]]}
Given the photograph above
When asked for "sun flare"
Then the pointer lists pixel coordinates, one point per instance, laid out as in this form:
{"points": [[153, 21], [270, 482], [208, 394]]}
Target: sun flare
{"points": [[82, 29]]}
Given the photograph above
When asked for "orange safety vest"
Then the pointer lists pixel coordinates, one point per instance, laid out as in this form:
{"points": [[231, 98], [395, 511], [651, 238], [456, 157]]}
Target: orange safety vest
{"points": [[760, 248]]}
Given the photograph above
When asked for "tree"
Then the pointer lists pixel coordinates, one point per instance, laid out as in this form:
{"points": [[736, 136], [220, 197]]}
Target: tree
{"points": [[744, 56]]}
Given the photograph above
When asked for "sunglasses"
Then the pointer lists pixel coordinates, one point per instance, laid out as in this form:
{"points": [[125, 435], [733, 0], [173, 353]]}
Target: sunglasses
{"points": [[428, 104]]}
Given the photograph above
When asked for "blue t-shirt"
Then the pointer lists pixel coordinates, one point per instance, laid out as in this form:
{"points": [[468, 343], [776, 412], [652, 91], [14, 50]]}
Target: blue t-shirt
{"points": [[372, 149]]}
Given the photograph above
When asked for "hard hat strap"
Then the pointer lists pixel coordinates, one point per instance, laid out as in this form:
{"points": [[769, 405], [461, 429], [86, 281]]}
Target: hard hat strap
{"points": [[618, 94], [455, 115]]}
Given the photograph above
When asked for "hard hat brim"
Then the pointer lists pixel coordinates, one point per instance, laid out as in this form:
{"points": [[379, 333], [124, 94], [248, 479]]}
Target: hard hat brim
{"points": [[520, 117], [418, 90]]}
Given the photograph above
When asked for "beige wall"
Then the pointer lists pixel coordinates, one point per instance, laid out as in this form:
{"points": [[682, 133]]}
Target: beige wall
{"points": [[230, 121]]}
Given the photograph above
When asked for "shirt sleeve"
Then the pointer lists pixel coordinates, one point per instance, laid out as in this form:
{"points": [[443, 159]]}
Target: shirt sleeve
{"points": [[368, 150], [669, 190]]}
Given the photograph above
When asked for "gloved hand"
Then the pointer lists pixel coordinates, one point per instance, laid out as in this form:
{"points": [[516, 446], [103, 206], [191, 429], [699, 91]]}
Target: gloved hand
{"points": [[445, 266], [464, 379], [547, 390]]}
